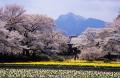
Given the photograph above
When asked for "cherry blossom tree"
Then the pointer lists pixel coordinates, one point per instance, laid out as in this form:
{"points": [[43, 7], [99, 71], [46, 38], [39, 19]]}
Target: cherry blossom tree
{"points": [[104, 40], [28, 33]]}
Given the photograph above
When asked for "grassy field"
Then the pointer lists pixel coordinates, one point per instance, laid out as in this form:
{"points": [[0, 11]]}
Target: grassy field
{"points": [[47, 73]]}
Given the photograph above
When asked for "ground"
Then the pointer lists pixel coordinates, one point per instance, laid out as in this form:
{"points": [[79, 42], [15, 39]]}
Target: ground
{"points": [[66, 69]]}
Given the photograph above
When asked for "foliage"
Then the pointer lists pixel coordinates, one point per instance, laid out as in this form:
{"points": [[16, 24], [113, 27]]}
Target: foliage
{"points": [[41, 57], [58, 58], [24, 58]]}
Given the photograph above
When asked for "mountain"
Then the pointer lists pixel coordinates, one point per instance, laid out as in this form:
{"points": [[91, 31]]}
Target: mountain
{"points": [[73, 24]]}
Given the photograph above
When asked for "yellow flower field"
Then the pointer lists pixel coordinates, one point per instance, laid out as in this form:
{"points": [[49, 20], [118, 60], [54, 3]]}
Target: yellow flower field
{"points": [[73, 63]]}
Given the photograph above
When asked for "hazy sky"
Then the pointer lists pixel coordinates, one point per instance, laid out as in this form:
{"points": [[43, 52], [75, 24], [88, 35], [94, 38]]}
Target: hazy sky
{"points": [[102, 9]]}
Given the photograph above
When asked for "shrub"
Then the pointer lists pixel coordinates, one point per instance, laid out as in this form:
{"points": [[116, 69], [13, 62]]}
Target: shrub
{"points": [[13, 58], [58, 58], [41, 57], [107, 61]]}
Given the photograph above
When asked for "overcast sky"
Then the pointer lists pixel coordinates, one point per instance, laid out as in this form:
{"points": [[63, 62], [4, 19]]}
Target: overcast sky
{"points": [[105, 10]]}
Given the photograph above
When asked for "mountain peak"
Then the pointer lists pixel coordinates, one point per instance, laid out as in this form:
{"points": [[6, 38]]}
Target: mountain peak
{"points": [[71, 15], [74, 24]]}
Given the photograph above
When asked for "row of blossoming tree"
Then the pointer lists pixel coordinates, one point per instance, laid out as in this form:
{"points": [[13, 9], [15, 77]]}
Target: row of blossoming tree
{"points": [[31, 35]]}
